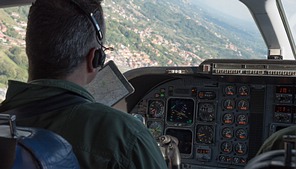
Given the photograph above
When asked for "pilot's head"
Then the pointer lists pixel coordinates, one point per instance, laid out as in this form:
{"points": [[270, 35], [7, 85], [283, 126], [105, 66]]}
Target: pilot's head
{"points": [[62, 39]]}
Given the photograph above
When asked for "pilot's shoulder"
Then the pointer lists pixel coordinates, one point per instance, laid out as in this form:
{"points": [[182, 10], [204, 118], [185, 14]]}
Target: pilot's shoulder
{"points": [[101, 114]]}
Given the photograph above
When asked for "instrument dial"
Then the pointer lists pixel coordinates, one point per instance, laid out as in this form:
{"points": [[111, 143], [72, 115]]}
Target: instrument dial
{"points": [[240, 148], [206, 112], [228, 118], [244, 91], [205, 134], [226, 147], [243, 105], [242, 119], [239, 160], [155, 128], [229, 90], [241, 134], [229, 104], [156, 109], [227, 133]]}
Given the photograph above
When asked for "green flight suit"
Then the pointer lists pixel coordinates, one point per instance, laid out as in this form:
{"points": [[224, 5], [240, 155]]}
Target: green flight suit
{"points": [[275, 141], [101, 137]]}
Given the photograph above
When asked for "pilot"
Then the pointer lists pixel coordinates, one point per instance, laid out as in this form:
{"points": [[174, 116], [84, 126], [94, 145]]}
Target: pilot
{"points": [[64, 45]]}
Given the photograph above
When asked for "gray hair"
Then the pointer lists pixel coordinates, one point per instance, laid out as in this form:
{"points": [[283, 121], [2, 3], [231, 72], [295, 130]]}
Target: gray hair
{"points": [[59, 36]]}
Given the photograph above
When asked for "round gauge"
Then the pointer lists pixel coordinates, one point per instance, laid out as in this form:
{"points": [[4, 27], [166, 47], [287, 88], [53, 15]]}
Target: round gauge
{"points": [[229, 90], [229, 104], [238, 160], [228, 118], [244, 91], [206, 112], [222, 158], [205, 134], [242, 119], [156, 128], [226, 147], [227, 133], [243, 105], [240, 148], [155, 108], [241, 134]]}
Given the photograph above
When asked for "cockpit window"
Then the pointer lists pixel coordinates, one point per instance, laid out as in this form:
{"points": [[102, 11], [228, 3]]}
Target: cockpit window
{"points": [[181, 33], [290, 14], [152, 33]]}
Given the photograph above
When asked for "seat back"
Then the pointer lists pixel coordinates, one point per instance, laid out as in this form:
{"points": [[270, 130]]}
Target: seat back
{"points": [[33, 148], [276, 159], [271, 160]]}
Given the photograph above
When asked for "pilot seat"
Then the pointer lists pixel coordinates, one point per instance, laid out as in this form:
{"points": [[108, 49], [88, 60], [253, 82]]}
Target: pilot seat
{"points": [[33, 148], [276, 159]]}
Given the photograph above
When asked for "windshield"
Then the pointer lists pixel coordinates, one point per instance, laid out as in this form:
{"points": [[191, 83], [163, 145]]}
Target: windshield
{"points": [[151, 33], [290, 13], [181, 33]]}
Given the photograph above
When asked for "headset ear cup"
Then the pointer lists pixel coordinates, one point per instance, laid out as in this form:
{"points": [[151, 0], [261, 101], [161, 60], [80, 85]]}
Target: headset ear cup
{"points": [[99, 58], [95, 61], [102, 57]]}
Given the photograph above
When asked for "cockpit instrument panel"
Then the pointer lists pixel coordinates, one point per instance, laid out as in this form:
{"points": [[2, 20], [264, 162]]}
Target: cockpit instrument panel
{"points": [[220, 116], [211, 120]]}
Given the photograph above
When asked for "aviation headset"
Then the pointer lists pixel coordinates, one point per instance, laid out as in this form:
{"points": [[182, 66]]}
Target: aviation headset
{"points": [[99, 56]]}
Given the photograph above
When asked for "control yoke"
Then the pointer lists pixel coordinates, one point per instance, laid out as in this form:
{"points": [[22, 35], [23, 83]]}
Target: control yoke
{"points": [[170, 151]]}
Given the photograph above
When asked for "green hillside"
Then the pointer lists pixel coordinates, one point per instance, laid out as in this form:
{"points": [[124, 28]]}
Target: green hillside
{"points": [[13, 60], [178, 33]]}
